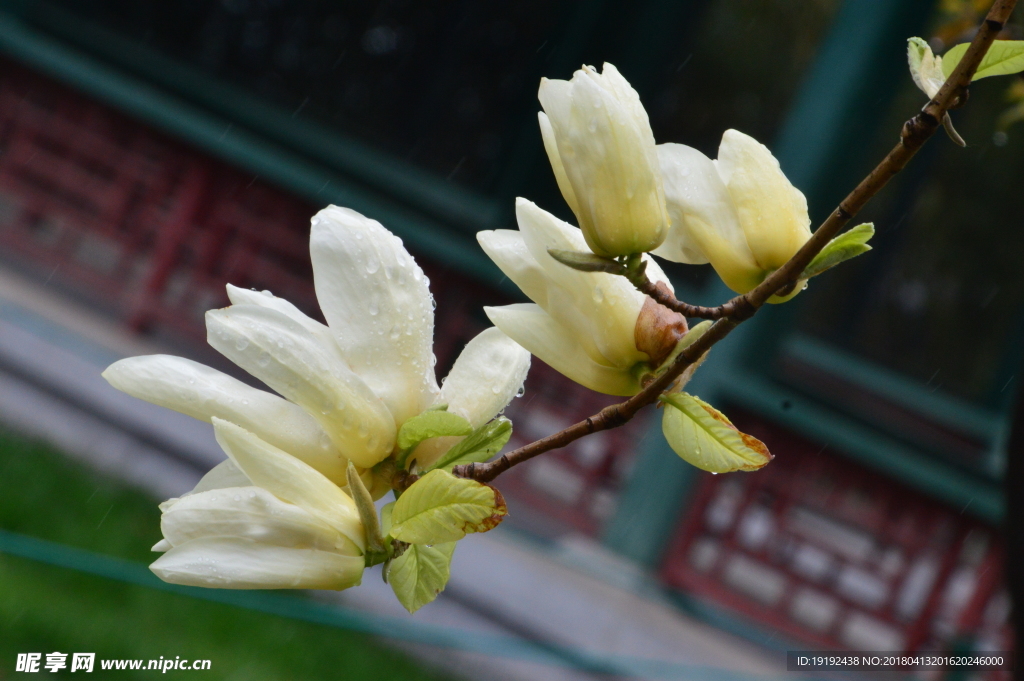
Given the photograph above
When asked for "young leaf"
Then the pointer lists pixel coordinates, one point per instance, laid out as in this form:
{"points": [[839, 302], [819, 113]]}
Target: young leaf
{"points": [[482, 444], [845, 246], [431, 423], [440, 507], [1002, 59], [587, 262], [420, 574], [703, 436]]}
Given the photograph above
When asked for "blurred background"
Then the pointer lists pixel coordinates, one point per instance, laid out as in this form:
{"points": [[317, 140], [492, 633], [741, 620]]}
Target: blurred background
{"points": [[152, 152]]}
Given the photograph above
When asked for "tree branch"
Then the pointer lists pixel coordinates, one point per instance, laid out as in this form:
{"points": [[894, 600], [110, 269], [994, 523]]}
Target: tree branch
{"points": [[915, 133]]}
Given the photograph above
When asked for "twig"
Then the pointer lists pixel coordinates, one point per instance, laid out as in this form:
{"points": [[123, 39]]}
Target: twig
{"points": [[914, 134]]}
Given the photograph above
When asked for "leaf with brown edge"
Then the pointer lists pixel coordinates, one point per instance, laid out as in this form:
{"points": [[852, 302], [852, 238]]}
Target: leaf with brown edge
{"points": [[440, 507], [703, 436]]}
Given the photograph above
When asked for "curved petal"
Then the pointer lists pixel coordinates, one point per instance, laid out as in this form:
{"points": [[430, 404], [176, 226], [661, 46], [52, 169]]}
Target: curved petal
{"points": [[771, 211], [609, 304], [531, 327], [705, 226], [376, 301], [286, 356], [488, 373], [290, 480], [250, 513], [237, 563], [241, 296], [547, 133], [202, 393], [224, 475], [508, 250]]}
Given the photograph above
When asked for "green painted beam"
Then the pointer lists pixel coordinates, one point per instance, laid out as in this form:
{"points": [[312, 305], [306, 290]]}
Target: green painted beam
{"points": [[220, 137], [847, 437], [401, 180], [958, 414]]}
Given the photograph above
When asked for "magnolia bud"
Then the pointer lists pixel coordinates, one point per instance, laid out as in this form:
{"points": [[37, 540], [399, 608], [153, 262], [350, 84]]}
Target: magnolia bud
{"points": [[602, 151]]}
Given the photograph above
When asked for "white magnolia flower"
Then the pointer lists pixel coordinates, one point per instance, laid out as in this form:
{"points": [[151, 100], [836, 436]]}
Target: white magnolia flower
{"points": [[583, 324], [602, 151], [261, 520], [347, 386], [739, 212]]}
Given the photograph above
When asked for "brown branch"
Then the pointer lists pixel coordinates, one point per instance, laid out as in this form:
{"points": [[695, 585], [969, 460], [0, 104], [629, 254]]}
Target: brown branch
{"points": [[914, 134]]}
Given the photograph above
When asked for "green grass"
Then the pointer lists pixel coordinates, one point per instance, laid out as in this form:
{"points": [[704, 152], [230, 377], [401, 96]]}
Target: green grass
{"points": [[46, 609]]}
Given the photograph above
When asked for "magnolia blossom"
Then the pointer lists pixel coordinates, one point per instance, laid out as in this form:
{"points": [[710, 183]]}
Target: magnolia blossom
{"points": [[261, 520], [602, 151], [588, 326], [345, 387], [739, 212]]}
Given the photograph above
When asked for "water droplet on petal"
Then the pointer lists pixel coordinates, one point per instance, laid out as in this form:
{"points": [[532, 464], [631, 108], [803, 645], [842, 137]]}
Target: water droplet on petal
{"points": [[374, 308]]}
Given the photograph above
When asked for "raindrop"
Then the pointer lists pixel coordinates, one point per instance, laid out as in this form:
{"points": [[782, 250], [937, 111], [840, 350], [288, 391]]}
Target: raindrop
{"points": [[395, 332], [372, 264], [264, 359], [521, 391], [598, 294], [374, 308], [496, 389]]}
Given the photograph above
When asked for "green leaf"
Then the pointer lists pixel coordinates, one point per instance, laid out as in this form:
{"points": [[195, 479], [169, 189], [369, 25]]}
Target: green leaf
{"points": [[703, 436], [435, 423], [440, 507], [420, 574], [1002, 59], [482, 444], [587, 262], [385, 518], [845, 246]]}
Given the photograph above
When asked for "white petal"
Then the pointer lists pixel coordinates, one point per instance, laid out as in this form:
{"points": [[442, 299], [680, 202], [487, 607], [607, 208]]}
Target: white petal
{"points": [[488, 373], [161, 546], [705, 226], [250, 513], [771, 211], [286, 356], [925, 67], [547, 133], [236, 563], [507, 249], [290, 480], [224, 475], [202, 393], [377, 303], [535, 330], [241, 296], [609, 304], [656, 274]]}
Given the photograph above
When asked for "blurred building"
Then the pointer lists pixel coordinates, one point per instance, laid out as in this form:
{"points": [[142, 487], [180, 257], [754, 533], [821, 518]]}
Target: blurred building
{"points": [[152, 152]]}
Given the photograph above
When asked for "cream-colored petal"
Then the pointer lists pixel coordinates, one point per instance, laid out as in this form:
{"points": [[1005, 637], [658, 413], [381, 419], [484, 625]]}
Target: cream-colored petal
{"points": [[286, 356], [290, 480], [531, 327], [237, 563], [509, 252], [925, 67], [250, 513], [705, 226], [656, 274], [377, 302], [488, 373], [547, 133], [224, 475], [202, 393], [771, 211], [604, 307], [241, 296], [161, 546]]}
